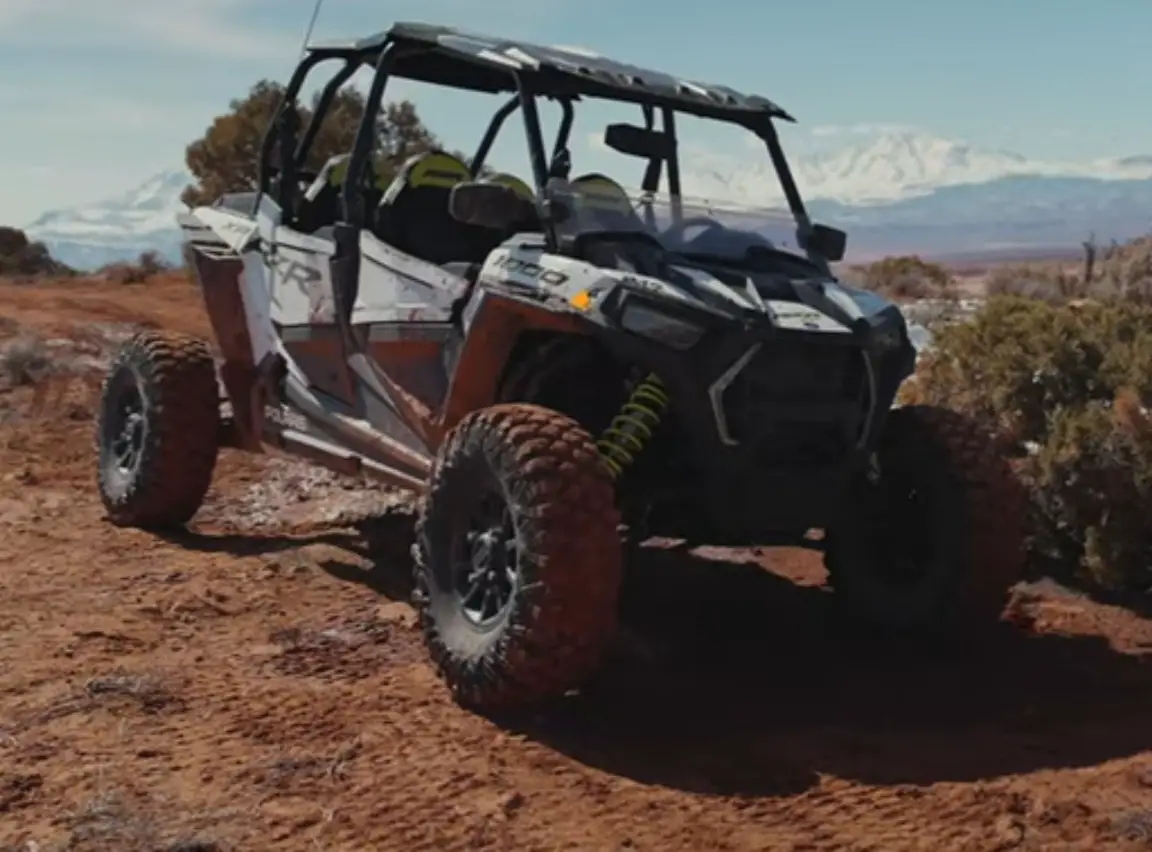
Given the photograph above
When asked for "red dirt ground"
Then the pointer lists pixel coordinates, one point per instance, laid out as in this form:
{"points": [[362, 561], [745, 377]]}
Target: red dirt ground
{"points": [[256, 683]]}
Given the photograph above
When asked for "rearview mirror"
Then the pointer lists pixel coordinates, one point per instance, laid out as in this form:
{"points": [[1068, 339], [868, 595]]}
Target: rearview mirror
{"points": [[639, 142], [489, 205], [828, 242]]}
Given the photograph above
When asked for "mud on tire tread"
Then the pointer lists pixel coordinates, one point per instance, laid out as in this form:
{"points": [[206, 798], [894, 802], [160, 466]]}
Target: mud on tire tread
{"points": [[991, 503], [564, 615], [177, 379]]}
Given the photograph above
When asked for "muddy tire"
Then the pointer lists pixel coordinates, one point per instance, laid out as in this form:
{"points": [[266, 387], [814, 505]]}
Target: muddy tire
{"points": [[157, 430], [936, 541], [518, 561]]}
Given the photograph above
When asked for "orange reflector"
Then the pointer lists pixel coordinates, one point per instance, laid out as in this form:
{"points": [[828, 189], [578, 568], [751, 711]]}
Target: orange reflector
{"points": [[581, 301]]}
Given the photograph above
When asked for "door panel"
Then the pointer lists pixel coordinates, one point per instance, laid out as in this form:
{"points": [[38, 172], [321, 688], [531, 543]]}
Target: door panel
{"points": [[304, 311]]}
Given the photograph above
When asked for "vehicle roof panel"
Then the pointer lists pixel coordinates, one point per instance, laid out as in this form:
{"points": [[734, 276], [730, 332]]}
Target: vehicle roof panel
{"points": [[460, 58]]}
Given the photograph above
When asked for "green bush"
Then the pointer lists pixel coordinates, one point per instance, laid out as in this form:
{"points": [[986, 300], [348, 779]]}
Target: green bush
{"points": [[1067, 385]]}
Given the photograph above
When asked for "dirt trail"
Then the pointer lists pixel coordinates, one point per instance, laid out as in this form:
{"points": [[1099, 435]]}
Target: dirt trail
{"points": [[256, 683]]}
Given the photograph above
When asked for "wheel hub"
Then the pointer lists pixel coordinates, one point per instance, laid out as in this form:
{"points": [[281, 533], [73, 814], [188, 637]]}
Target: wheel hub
{"points": [[128, 440], [488, 574]]}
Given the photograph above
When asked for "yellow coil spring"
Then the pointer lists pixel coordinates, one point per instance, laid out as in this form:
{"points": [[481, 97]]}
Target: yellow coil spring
{"points": [[632, 428]]}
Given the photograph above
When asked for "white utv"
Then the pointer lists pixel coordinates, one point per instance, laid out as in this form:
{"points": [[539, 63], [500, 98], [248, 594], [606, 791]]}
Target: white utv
{"points": [[554, 364]]}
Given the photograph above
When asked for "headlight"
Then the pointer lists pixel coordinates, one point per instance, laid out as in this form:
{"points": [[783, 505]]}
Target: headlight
{"points": [[647, 321]]}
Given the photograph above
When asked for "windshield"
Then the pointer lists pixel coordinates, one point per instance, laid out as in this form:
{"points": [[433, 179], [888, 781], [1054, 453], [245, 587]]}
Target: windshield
{"points": [[689, 226]]}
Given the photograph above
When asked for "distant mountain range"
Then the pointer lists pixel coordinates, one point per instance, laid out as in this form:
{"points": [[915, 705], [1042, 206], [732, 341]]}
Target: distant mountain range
{"points": [[896, 192], [119, 228]]}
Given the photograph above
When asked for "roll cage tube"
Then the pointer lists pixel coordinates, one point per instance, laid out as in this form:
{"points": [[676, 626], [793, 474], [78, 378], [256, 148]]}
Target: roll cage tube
{"points": [[674, 188], [497, 124], [352, 189], [282, 129], [767, 131], [563, 134], [540, 164], [651, 180], [322, 105], [489, 137]]}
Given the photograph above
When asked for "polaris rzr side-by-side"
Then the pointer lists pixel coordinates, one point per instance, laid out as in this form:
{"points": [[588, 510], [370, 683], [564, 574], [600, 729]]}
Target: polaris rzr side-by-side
{"points": [[557, 366]]}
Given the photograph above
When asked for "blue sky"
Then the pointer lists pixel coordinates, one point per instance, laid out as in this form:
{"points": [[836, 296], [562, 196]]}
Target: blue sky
{"points": [[98, 94]]}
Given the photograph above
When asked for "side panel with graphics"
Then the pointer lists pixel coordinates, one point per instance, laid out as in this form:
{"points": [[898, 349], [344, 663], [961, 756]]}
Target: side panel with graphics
{"points": [[396, 287], [301, 279], [527, 269], [303, 310]]}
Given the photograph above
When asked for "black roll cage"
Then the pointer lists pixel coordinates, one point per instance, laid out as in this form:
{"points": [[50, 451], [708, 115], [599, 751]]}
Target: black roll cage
{"points": [[283, 129]]}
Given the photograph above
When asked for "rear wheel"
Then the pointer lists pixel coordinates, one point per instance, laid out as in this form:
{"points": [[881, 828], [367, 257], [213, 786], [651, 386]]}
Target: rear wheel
{"points": [[157, 431], [933, 538], [518, 563]]}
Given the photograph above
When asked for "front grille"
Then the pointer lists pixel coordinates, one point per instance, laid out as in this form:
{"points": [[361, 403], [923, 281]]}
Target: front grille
{"points": [[799, 403]]}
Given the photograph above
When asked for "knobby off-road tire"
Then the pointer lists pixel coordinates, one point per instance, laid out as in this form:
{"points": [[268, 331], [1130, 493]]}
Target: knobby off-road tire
{"points": [[558, 500], [947, 558], [157, 431]]}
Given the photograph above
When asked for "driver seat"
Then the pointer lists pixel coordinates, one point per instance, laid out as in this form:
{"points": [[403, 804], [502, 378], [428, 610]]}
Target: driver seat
{"points": [[413, 216], [610, 209], [514, 183], [608, 202]]}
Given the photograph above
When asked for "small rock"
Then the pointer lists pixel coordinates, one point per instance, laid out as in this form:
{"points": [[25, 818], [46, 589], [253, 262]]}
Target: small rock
{"points": [[398, 613], [514, 802]]}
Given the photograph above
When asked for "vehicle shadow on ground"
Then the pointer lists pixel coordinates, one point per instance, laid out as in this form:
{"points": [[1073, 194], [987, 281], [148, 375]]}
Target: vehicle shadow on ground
{"points": [[390, 574], [382, 543], [759, 687], [762, 688], [247, 544]]}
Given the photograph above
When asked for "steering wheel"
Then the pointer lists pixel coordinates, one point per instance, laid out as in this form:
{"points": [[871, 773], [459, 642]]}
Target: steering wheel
{"points": [[677, 230]]}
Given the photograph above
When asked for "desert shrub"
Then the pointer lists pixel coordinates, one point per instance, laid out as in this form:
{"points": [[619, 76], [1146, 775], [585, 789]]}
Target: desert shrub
{"points": [[147, 265], [152, 263], [22, 257], [1067, 385], [1037, 281], [24, 361], [1118, 272], [1092, 495], [905, 277]]}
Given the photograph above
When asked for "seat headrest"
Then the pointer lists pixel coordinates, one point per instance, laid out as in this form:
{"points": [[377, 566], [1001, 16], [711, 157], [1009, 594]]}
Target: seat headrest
{"points": [[435, 168], [602, 193], [430, 169], [337, 167], [514, 183]]}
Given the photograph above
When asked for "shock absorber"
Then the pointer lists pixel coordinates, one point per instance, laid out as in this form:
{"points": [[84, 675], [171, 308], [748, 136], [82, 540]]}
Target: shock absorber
{"points": [[631, 429]]}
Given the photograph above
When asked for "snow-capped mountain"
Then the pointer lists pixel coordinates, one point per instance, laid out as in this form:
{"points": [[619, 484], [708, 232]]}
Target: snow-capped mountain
{"points": [[119, 228], [902, 191], [890, 167]]}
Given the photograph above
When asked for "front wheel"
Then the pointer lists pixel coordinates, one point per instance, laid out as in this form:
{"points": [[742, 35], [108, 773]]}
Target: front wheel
{"points": [[933, 537], [157, 431], [518, 562]]}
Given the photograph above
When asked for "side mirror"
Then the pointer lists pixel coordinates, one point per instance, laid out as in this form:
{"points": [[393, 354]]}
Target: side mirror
{"points": [[489, 205], [828, 242]]}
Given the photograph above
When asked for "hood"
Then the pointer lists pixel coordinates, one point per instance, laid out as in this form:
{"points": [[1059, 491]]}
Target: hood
{"points": [[807, 304]]}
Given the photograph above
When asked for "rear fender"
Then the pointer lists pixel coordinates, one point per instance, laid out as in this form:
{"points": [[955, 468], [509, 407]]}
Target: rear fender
{"points": [[223, 251], [235, 230]]}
